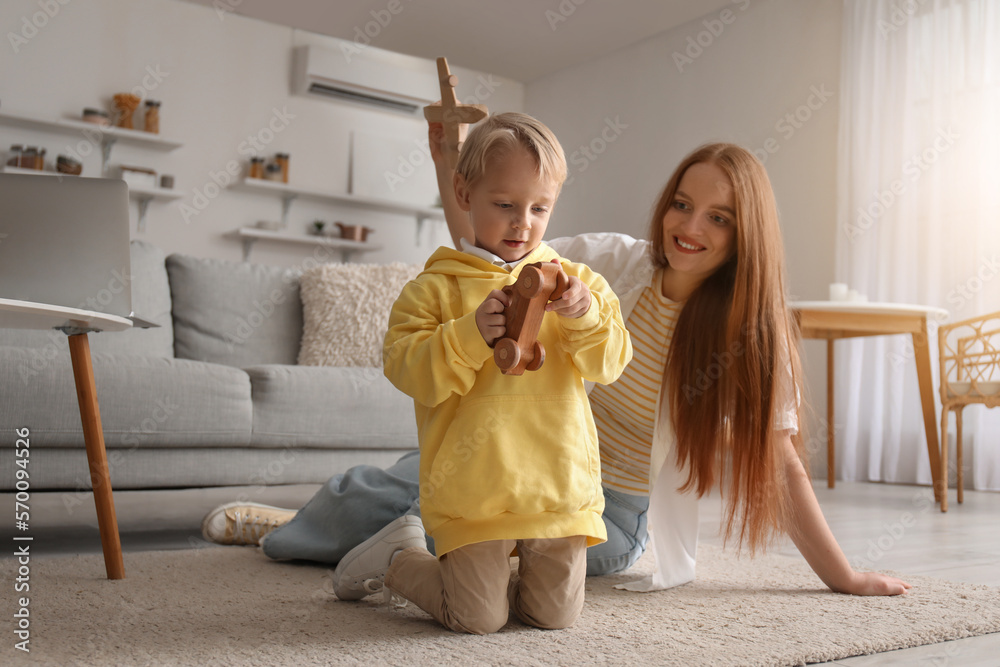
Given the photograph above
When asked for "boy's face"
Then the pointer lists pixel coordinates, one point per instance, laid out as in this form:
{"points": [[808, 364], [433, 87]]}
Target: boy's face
{"points": [[509, 206]]}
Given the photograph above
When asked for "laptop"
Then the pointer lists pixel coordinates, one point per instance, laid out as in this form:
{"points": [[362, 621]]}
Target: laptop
{"points": [[64, 240]]}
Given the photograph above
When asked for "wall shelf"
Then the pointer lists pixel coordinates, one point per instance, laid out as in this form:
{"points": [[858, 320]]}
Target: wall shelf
{"points": [[250, 235], [145, 195], [289, 193], [30, 172], [106, 135], [136, 193]]}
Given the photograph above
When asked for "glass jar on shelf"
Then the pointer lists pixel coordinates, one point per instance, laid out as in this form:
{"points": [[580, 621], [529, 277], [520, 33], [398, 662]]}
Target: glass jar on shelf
{"points": [[29, 157], [152, 120], [281, 159], [14, 155], [256, 167], [273, 172]]}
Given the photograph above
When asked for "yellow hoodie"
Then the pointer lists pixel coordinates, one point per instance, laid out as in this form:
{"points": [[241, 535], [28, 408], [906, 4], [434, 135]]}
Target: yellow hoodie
{"points": [[503, 457]]}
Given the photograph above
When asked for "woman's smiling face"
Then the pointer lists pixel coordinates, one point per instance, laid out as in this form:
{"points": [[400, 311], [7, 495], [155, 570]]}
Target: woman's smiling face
{"points": [[699, 227]]}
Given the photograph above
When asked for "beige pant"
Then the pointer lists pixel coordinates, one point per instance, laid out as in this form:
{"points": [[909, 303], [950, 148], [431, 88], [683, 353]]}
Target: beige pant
{"points": [[471, 588]]}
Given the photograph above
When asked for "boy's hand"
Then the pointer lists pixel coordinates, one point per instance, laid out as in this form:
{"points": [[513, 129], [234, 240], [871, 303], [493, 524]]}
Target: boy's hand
{"points": [[575, 301], [435, 137], [489, 316]]}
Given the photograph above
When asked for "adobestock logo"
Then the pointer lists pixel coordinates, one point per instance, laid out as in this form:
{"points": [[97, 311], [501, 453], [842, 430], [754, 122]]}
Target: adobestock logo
{"points": [[363, 35], [255, 319], [253, 145], [900, 14], [583, 156], [30, 27], [913, 169], [408, 164], [794, 121], [98, 137], [966, 291], [565, 9], [696, 44], [464, 449]]}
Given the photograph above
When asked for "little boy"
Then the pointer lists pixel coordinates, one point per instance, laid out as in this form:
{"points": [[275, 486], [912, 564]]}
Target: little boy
{"points": [[506, 461]]}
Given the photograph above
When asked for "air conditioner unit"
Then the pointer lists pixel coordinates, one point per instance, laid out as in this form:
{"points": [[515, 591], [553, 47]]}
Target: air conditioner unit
{"points": [[366, 75]]}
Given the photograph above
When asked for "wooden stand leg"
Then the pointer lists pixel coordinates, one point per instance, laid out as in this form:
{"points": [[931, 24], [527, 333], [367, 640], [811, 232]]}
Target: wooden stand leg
{"points": [[958, 455], [942, 480], [935, 450], [830, 431], [944, 444], [93, 434]]}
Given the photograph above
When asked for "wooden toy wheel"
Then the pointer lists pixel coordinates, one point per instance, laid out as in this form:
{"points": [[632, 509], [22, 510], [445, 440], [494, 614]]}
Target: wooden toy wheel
{"points": [[539, 359], [506, 354], [530, 283]]}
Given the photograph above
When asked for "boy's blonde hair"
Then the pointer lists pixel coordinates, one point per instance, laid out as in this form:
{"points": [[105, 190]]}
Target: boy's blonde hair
{"points": [[503, 132]]}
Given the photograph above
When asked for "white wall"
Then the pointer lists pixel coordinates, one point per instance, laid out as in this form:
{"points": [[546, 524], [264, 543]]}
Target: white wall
{"points": [[767, 60], [221, 78], [636, 112]]}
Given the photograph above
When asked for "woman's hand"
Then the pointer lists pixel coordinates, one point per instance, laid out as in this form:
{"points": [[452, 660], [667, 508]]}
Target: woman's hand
{"points": [[874, 583], [816, 542], [574, 302], [489, 316]]}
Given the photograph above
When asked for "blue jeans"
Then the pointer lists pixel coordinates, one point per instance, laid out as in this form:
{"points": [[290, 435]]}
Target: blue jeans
{"points": [[353, 506]]}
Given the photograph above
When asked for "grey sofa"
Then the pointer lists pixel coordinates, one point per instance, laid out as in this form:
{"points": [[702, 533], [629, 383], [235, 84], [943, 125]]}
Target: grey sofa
{"points": [[211, 398]]}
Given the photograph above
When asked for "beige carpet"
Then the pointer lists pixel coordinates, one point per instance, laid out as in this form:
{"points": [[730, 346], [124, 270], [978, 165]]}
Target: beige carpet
{"points": [[230, 606]]}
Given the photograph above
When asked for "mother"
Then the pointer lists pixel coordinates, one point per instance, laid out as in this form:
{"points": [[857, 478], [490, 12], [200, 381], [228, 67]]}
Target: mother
{"points": [[711, 395]]}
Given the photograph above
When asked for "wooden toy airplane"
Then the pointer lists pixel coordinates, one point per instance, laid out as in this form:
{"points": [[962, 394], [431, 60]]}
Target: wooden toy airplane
{"points": [[452, 114]]}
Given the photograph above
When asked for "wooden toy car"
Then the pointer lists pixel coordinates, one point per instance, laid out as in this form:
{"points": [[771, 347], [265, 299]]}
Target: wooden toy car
{"points": [[519, 349]]}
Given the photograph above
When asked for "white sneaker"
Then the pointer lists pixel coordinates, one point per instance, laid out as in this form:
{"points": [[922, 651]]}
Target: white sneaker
{"points": [[243, 523], [362, 570]]}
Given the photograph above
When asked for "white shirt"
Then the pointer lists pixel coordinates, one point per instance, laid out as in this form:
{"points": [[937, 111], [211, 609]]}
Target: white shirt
{"points": [[482, 253], [627, 264]]}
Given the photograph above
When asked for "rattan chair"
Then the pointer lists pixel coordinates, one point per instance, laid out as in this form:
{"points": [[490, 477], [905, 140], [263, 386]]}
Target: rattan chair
{"points": [[970, 373]]}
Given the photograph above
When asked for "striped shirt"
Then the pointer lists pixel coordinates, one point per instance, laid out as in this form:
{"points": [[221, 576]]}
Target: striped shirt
{"points": [[625, 411]]}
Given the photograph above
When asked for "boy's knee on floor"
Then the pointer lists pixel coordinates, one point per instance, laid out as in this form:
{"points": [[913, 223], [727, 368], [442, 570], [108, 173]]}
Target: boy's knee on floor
{"points": [[484, 622], [553, 619]]}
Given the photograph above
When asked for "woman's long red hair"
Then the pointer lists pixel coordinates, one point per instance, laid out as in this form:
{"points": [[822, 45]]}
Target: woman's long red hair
{"points": [[731, 347]]}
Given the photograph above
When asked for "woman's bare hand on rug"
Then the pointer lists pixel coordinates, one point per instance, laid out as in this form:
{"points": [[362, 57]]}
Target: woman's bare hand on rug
{"points": [[873, 583], [816, 542]]}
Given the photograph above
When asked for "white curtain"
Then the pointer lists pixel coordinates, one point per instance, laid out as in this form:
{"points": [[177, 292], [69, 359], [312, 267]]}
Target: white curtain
{"points": [[918, 217]]}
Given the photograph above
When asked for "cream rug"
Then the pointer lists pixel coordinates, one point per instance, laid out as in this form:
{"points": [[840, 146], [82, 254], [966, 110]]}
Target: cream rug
{"points": [[230, 606]]}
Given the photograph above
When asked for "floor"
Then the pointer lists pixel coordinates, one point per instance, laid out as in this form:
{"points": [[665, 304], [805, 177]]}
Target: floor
{"points": [[879, 526], [898, 528]]}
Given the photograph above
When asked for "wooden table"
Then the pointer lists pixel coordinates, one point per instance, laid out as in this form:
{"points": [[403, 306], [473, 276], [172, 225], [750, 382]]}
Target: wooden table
{"points": [[76, 324], [832, 320]]}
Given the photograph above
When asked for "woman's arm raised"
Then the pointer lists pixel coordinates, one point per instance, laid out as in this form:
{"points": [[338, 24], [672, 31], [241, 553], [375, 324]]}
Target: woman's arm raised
{"points": [[816, 542], [457, 219]]}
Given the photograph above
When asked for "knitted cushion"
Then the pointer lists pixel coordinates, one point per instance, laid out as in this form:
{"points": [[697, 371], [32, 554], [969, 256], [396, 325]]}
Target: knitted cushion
{"points": [[345, 309]]}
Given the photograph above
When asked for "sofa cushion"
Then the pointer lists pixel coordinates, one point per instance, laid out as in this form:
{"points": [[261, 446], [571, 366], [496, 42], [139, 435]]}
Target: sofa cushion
{"points": [[144, 401], [345, 310], [66, 469], [234, 313], [150, 301], [338, 408]]}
